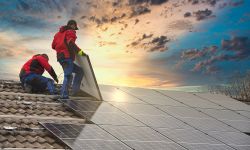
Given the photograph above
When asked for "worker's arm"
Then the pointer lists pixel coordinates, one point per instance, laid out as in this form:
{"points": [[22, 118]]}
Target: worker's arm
{"points": [[71, 38], [53, 45], [45, 64]]}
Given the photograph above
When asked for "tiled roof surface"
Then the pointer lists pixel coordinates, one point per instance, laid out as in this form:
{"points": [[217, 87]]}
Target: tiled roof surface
{"points": [[21, 113]]}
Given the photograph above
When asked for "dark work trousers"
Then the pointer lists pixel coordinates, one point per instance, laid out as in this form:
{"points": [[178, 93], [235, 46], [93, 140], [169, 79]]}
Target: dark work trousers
{"points": [[37, 83], [68, 68]]}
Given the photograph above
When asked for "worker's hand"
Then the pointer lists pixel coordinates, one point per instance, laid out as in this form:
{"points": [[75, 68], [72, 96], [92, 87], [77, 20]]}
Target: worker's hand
{"points": [[81, 53]]}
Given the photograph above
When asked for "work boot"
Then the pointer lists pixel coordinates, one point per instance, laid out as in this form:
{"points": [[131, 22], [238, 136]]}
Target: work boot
{"points": [[55, 97], [27, 88], [78, 94]]}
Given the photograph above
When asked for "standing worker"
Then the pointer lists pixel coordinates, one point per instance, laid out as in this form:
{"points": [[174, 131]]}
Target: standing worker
{"points": [[66, 49], [31, 75]]}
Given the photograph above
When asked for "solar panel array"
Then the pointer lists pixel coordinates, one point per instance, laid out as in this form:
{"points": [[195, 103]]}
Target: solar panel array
{"points": [[144, 119]]}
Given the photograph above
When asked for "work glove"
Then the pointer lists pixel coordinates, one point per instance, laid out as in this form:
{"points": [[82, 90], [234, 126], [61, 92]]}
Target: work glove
{"points": [[81, 53]]}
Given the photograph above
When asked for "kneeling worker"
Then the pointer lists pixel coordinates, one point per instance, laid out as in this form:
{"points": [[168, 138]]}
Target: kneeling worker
{"points": [[31, 75]]}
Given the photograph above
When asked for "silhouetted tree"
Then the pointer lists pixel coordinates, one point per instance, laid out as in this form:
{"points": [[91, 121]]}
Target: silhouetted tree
{"points": [[238, 87]]}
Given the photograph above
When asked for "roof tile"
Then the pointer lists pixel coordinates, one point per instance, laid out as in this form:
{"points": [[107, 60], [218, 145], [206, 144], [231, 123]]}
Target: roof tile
{"points": [[24, 111]]}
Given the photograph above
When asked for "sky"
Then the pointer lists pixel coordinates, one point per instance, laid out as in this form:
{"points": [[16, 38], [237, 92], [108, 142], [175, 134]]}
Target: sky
{"points": [[140, 43]]}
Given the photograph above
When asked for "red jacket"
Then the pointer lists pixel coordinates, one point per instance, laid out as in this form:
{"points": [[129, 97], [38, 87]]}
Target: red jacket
{"points": [[37, 64], [64, 43]]}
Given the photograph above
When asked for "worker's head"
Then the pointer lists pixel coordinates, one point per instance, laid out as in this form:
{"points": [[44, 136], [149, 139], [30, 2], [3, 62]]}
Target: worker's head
{"points": [[72, 24], [45, 56]]}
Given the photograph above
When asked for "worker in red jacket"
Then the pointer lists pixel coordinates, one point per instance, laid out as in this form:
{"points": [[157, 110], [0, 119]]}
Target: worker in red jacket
{"points": [[66, 49], [31, 74]]}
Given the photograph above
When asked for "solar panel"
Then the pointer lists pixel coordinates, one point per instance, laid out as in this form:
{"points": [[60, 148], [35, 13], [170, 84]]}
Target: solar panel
{"points": [[188, 136], [207, 124], [161, 122], [143, 136], [244, 113], [83, 105], [129, 133], [90, 106], [115, 119], [132, 118], [139, 109], [224, 101], [183, 112], [190, 99], [96, 145], [243, 126], [152, 97], [224, 114], [88, 136], [235, 139], [101, 113], [111, 93]]}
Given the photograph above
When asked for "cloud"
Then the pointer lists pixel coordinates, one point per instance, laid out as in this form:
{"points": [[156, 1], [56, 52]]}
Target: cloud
{"points": [[192, 54], [231, 3], [210, 2], [107, 29], [237, 3], [138, 41], [212, 70], [153, 45], [203, 14], [180, 25], [139, 10], [159, 44], [240, 46], [13, 46], [105, 43], [236, 43], [153, 2], [187, 14]]}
